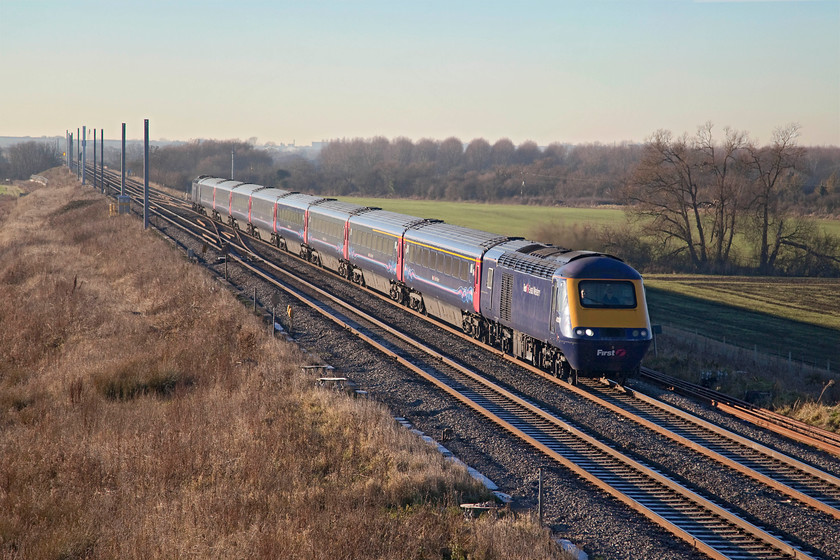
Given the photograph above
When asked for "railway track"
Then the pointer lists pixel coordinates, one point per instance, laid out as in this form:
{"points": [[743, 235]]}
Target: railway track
{"points": [[707, 526], [783, 425]]}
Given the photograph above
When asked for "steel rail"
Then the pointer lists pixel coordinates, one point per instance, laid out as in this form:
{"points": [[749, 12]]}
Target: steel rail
{"points": [[797, 480], [784, 425]]}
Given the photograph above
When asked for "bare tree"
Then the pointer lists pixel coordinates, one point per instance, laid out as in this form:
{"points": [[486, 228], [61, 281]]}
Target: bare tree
{"points": [[527, 152], [665, 189], [28, 158], [503, 152], [774, 169], [450, 154], [725, 164], [477, 155]]}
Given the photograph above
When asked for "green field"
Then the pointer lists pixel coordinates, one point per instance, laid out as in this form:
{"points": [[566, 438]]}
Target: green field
{"points": [[830, 226], [505, 219], [512, 219], [774, 315], [10, 190]]}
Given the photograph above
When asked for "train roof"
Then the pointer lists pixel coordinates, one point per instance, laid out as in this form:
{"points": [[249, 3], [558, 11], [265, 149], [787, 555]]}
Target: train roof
{"points": [[386, 220], [247, 189], [529, 264], [466, 241], [337, 208], [209, 181], [599, 265], [302, 201], [544, 261], [272, 194]]}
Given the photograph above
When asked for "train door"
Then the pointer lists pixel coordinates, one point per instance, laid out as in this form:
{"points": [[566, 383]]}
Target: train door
{"points": [[560, 317], [488, 288]]}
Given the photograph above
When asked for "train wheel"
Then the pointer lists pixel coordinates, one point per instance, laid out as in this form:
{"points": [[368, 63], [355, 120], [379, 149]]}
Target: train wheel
{"points": [[568, 374], [397, 293]]}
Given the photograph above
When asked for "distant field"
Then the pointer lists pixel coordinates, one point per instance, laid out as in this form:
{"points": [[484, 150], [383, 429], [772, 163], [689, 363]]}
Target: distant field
{"points": [[506, 219], [512, 219], [830, 226], [776, 315]]}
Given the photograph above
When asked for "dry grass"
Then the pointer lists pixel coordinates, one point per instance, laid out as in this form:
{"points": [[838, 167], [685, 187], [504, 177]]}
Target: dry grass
{"points": [[815, 413], [145, 414]]}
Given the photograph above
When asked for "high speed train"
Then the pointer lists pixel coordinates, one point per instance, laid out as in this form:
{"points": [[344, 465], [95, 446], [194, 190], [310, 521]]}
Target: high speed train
{"points": [[571, 313]]}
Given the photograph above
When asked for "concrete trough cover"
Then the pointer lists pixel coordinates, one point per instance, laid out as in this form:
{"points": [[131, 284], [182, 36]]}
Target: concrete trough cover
{"points": [[474, 510]]}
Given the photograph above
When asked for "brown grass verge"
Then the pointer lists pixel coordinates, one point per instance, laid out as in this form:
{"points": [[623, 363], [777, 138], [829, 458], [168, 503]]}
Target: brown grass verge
{"points": [[130, 428]]}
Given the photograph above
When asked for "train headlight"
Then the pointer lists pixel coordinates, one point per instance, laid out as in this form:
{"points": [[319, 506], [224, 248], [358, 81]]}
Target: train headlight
{"points": [[635, 333], [644, 333], [590, 332], [579, 332]]}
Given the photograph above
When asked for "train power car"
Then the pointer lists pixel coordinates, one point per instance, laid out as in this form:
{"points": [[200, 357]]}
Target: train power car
{"points": [[572, 313], [532, 308]]}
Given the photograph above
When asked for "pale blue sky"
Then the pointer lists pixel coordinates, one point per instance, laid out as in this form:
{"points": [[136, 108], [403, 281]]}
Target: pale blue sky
{"points": [[548, 71]]}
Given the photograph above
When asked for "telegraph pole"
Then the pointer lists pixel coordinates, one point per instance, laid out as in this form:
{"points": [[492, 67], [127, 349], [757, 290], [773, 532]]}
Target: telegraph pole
{"points": [[84, 152], [102, 160], [94, 158], [122, 163], [146, 174]]}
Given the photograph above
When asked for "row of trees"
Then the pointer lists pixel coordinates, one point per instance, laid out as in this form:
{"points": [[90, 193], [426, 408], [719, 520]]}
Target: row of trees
{"points": [[478, 171], [22, 160], [695, 202], [695, 196]]}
